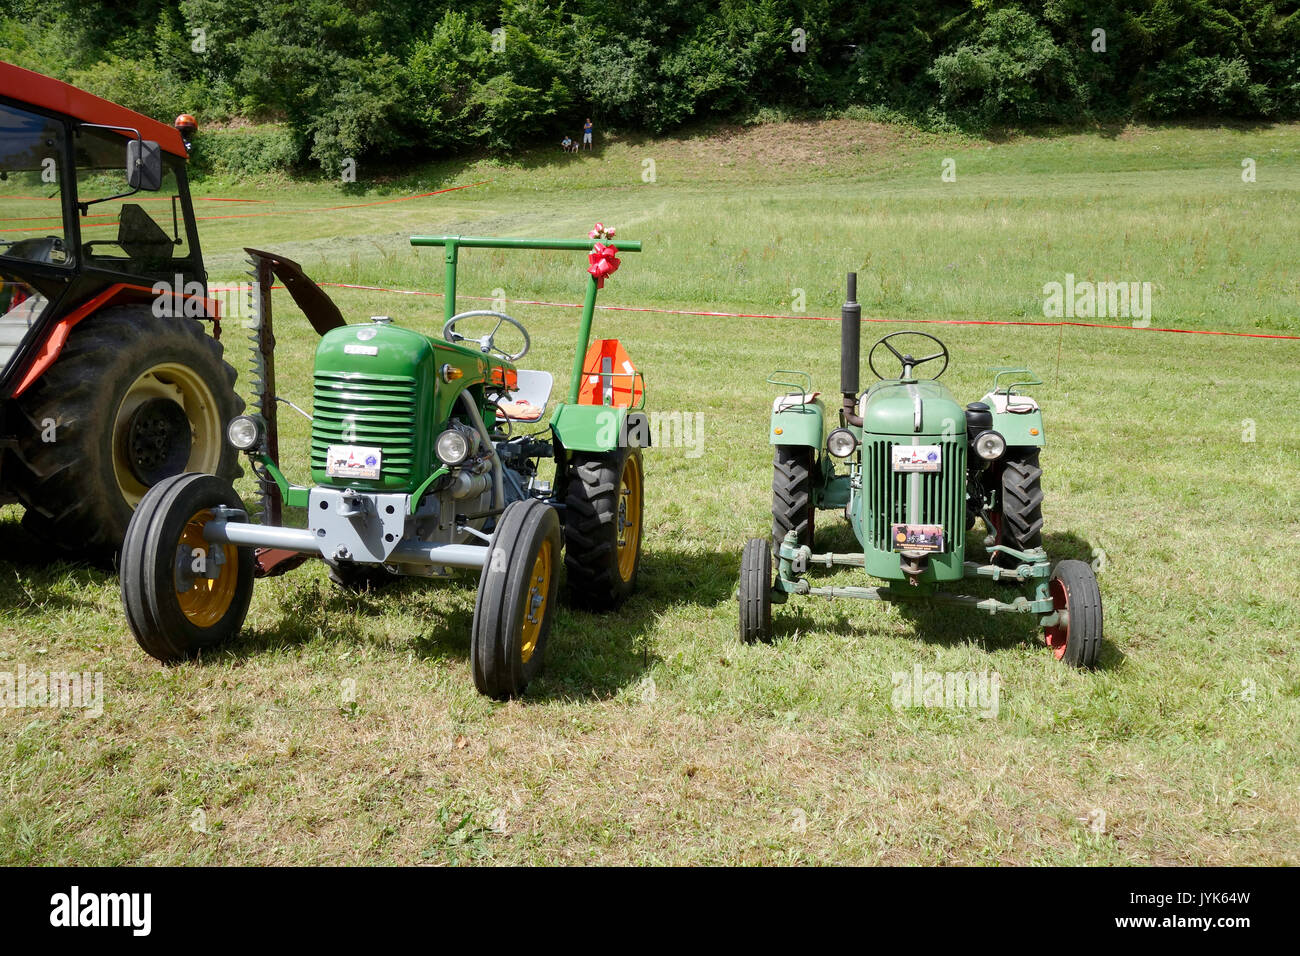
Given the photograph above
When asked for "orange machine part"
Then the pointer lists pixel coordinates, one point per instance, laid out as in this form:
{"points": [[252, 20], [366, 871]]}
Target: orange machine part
{"points": [[623, 380]]}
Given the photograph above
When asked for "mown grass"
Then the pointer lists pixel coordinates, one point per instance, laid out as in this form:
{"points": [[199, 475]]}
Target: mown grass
{"points": [[653, 736]]}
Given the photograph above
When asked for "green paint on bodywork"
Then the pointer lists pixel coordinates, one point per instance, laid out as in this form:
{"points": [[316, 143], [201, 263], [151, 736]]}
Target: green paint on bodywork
{"points": [[836, 493], [295, 496], [1016, 427], [379, 385], [800, 423], [588, 427], [891, 409]]}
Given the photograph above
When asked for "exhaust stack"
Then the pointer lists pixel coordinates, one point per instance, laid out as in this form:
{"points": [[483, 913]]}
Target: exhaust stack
{"points": [[850, 352]]}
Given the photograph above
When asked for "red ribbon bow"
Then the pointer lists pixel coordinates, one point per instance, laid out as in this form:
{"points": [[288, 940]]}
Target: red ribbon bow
{"points": [[604, 262]]}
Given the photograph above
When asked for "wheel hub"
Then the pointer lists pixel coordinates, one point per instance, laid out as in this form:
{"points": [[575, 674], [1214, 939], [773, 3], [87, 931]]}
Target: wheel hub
{"points": [[158, 441]]}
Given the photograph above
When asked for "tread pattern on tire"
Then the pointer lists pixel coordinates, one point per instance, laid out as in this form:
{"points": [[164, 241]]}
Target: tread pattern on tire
{"points": [[1020, 506], [755, 591], [147, 569], [1085, 631], [792, 500], [591, 530], [65, 491], [498, 673]]}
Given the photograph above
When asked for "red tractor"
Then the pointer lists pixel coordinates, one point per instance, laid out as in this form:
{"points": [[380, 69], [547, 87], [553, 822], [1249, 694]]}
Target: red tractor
{"points": [[109, 378]]}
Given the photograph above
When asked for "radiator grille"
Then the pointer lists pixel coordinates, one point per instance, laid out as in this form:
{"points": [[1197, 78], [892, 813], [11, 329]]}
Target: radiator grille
{"points": [[943, 493], [380, 411]]}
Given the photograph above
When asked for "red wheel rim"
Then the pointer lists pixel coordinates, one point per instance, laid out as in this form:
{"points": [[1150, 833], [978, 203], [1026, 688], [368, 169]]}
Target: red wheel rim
{"points": [[1058, 635]]}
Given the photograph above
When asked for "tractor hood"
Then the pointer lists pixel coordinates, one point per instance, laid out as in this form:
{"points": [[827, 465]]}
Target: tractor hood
{"points": [[895, 407]]}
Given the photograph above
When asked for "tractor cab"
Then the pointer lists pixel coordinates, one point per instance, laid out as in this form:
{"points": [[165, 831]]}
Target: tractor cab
{"points": [[109, 378]]}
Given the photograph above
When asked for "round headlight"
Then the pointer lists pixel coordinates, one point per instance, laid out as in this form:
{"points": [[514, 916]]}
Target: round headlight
{"points": [[244, 432], [841, 443], [452, 447], [990, 445]]}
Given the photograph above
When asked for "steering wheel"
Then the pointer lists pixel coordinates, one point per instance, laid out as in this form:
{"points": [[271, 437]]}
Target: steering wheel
{"points": [[905, 358], [487, 343]]}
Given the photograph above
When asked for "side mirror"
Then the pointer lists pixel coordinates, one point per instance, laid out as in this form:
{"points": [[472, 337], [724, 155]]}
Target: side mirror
{"points": [[143, 165]]}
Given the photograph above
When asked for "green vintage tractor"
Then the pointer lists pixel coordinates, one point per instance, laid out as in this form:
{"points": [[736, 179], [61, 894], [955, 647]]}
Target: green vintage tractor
{"points": [[421, 464], [921, 470]]}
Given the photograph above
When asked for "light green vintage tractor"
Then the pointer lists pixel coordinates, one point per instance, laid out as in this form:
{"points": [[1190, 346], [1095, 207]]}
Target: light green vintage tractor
{"points": [[420, 465], [920, 470]]}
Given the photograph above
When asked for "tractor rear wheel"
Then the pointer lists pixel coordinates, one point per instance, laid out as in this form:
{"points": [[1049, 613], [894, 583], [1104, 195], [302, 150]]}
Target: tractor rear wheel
{"points": [[183, 594], [516, 599], [132, 399], [1018, 518], [792, 494], [756, 591], [1076, 637], [604, 505]]}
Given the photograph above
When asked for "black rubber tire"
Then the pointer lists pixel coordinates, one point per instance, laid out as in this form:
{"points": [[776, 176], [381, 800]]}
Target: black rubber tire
{"points": [[1083, 600], [1020, 506], [147, 577], [756, 591], [591, 528], [792, 494], [496, 651], [68, 485], [359, 578]]}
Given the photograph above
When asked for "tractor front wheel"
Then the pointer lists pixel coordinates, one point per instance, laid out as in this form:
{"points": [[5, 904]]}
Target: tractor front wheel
{"points": [[756, 591], [1076, 636], [183, 594], [604, 505], [516, 599], [132, 399]]}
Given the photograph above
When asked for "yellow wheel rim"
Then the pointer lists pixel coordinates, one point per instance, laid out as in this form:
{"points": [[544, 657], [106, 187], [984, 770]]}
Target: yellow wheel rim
{"points": [[539, 589], [204, 600], [629, 517], [182, 385]]}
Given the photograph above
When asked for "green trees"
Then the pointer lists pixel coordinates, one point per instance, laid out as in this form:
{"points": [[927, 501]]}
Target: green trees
{"points": [[380, 81]]}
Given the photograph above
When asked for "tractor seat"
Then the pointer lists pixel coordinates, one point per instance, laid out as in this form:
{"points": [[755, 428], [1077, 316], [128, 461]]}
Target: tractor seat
{"points": [[793, 400], [1015, 404], [528, 404]]}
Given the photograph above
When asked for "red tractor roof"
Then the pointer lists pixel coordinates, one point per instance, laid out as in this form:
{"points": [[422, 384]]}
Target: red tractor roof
{"points": [[51, 94]]}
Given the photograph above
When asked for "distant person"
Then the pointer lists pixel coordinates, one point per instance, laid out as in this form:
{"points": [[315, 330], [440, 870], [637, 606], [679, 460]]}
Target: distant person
{"points": [[567, 144], [586, 133]]}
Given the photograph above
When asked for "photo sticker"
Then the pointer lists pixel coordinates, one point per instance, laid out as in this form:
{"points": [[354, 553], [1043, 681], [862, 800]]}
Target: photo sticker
{"points": [[353, 461], [917, 537], [924, 458]]}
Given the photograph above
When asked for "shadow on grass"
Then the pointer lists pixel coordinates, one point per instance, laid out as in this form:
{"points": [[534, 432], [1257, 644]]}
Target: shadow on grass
{"points": [[587, 654], [599, 654], [33, 570]]}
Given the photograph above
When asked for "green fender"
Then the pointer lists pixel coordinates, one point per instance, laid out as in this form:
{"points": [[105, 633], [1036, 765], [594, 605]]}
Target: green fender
{"points": [[599, 427], [796, 423], [1019, 428]]}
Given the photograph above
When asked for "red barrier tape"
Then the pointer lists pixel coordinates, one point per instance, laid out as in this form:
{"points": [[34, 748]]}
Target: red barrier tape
{"points": [[815, 318]]}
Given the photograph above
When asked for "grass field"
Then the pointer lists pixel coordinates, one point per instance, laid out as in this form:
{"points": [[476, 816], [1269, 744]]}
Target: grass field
{"points": [[653, 736]]}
